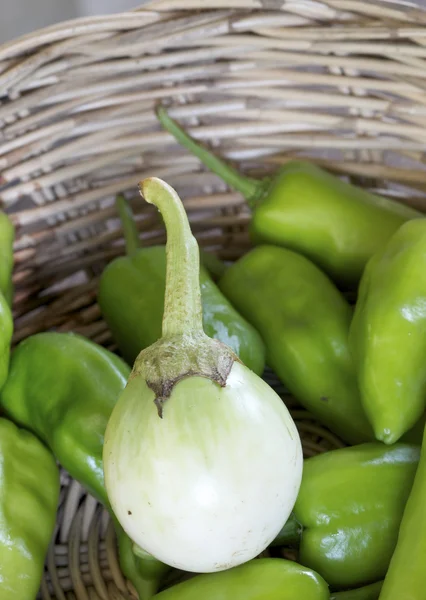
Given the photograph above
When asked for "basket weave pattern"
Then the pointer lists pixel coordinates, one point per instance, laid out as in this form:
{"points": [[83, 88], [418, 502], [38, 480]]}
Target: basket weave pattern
{"points": [[341, 82]]}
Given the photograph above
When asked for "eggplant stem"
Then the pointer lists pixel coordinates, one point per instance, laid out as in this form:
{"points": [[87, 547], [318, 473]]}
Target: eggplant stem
{"points": [[182, 303]]}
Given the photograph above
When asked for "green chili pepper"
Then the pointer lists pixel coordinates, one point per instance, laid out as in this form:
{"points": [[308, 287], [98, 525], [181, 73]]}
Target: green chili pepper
{"points": [[29, 493], [7, 236], [63, 388], [406, 576], [368, 592], [259, 579], [349, 510], [138, 281], [388, 334], [337, 225], [6, 332], [304, 322]]}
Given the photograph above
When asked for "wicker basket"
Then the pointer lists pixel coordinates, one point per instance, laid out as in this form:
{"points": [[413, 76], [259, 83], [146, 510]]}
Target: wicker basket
{"points": [[341, 82]]}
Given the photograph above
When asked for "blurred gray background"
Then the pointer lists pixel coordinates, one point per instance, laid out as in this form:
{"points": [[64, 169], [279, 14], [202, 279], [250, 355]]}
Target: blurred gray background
{"points": [[22, 16]]}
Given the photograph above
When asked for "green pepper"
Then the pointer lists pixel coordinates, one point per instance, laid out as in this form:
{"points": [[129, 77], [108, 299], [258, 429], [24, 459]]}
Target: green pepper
{"points": [[337, 225], [368, 592], [259, 579], [7, 236], [29, 494], [6, 332], [349, 510], [63, 388], [304, 321], [388, 334], [138, 281], [406, 576]]}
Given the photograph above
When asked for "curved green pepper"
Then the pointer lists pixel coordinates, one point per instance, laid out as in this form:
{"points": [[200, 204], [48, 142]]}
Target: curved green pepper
{"points": [[6, 332], [7, 237], [138, 282], [29, 494], [304, 322], [388, 334], [337, 225], [63, 387], [406, 576], [349, 510], [259, 579]]}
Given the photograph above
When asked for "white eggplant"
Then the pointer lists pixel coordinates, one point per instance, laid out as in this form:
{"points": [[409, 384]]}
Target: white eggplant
{"points": [[202, 459]]}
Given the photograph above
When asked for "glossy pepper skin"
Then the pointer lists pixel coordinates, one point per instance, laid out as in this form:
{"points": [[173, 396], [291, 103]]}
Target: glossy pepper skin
{"points": [[259, 579], [29, 493], [388, 334], [138, 281], [406, 576], [337, 225], [7, 236], [349, 510], [63, 388], [304, 322]]}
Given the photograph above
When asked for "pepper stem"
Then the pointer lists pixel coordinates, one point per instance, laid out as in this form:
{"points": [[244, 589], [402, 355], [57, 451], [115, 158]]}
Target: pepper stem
{"points": [[290, 534], [131, 234], [182, 304], [250, 188]]}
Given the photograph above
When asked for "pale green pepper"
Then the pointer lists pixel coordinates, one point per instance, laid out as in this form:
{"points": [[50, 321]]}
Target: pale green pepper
{"points": [[259, 579], [29, 493]]}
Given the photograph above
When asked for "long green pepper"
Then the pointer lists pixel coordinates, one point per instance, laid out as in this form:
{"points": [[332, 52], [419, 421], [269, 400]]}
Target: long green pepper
{"points": [[138, 281], [388, 334], [406, 576], [304, 321], [63, 387], [337, 225], [29, 493], [259, 579]]}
